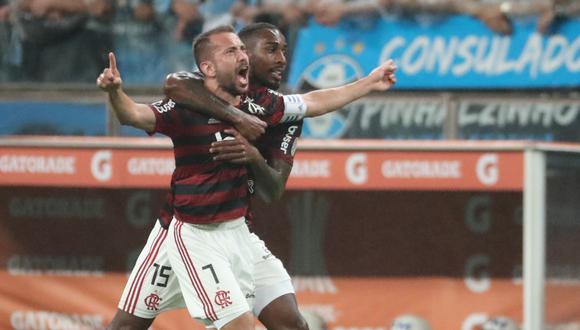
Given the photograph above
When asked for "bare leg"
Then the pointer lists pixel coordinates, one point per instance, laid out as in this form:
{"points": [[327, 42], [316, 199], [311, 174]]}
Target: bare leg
{"points": [[242, 322], [125, 321], [283, 314]]}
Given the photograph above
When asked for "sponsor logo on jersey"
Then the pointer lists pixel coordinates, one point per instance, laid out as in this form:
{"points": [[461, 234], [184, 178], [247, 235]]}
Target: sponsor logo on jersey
{"points": [[254, 108], [288, 139], [162, 106], [251, 186]]}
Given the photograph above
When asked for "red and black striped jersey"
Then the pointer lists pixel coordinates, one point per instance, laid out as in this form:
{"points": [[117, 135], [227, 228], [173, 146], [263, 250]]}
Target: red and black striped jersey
{"points": [[279, 142], [204, 190]]}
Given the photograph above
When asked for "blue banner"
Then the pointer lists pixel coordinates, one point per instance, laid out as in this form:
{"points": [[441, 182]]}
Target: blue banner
{"points": [[456, 52]]}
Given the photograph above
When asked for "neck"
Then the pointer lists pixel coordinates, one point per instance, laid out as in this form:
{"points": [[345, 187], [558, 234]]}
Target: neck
{"points": [[218, 91]]}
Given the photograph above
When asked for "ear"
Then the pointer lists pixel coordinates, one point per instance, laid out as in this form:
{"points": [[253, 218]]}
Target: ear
{"points": [[208, 69]]}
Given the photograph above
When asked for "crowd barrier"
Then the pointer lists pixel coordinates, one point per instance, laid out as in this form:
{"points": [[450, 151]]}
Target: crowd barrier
{"points": [[369, 230]]}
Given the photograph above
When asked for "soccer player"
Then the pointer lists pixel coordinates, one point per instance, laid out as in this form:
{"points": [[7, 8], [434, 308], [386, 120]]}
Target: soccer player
{"points": [[152, 286], [275, 303]]}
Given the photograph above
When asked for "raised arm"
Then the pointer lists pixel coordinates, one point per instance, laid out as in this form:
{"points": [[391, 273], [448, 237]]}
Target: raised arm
{"points": [[323, 101], [126, 110], [189, 91]]}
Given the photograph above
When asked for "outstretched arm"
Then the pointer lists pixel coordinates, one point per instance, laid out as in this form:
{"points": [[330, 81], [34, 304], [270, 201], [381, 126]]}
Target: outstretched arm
{"points": [[189, 91], [323, 101], [126, 110]]}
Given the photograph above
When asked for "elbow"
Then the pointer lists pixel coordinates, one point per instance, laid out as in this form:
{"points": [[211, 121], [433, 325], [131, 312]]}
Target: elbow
{"points": [[130, 118], [174, 83], [273, 195]]}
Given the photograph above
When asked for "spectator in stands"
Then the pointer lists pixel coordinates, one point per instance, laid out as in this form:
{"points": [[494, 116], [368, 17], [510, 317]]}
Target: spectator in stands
{"points": [[186, 24], [217, 12], [282, 13], [189, 20], [495, 14], [5, 33], [287, 15], [555, 12], [55, 44], [141, 39], [330, 12]]}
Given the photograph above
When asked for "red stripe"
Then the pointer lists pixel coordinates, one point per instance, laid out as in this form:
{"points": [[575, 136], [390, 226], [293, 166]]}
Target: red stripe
{"points": [[192, 273], [138, 281], [156, 250], [141, 269], [187, 150], [212, 218], [200, 174], [207, 306]]}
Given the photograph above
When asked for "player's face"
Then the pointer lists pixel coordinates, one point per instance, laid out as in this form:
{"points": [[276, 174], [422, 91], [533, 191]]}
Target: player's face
{"points": [[268, 59], [231, 63]]}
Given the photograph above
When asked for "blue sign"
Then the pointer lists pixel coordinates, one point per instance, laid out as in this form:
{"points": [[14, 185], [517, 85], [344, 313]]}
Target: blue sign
{"points": [[457, 52], [53, 118]]}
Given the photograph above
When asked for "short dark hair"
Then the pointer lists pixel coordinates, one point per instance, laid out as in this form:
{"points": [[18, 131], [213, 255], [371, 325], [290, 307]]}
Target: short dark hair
{"points": [[252, 30], [201, 49]]}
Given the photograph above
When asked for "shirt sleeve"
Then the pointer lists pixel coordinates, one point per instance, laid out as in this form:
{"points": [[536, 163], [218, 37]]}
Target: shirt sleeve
{"points": [[165, 116], [275, 108], [294, 108], [282, 141]]}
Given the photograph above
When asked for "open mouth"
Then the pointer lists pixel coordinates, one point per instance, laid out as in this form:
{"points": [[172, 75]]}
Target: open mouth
{"points": [[243, 74]]}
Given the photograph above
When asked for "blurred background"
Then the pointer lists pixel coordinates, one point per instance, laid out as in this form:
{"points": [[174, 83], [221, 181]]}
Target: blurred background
{"points": [[404, 209]]}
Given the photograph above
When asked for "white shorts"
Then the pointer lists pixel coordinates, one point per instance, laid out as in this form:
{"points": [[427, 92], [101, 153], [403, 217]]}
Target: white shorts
{"points": [[270, 277], [153, 286]]}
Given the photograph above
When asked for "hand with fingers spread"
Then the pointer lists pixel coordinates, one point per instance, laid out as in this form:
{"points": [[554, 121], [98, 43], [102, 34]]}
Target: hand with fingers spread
{"points": [[110, 79], [383, 77], [235, 149]]}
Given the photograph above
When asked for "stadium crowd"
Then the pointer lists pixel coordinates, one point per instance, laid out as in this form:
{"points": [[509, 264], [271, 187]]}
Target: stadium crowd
{"points": [[67, 40]]}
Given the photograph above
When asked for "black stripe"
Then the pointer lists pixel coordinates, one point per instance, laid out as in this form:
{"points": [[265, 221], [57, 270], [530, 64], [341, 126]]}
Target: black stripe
{"points": [[213, 208], [193, 159], [190, 117], [184, 141], [196, 189]]}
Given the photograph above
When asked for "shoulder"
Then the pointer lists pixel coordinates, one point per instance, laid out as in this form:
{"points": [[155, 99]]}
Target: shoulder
{"points": [[263, 91], [184, 76]]}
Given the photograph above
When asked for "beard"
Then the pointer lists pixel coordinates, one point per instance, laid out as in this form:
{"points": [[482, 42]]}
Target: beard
{"points": [[227, 82]]}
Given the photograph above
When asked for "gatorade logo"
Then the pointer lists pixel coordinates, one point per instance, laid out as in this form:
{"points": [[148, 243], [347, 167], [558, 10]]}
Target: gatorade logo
{"points": [[356, 168], [101, 166], [487, 169]]}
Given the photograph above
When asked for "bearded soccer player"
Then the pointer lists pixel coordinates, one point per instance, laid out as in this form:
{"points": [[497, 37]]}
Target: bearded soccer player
{"points": [[274, 303]]}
